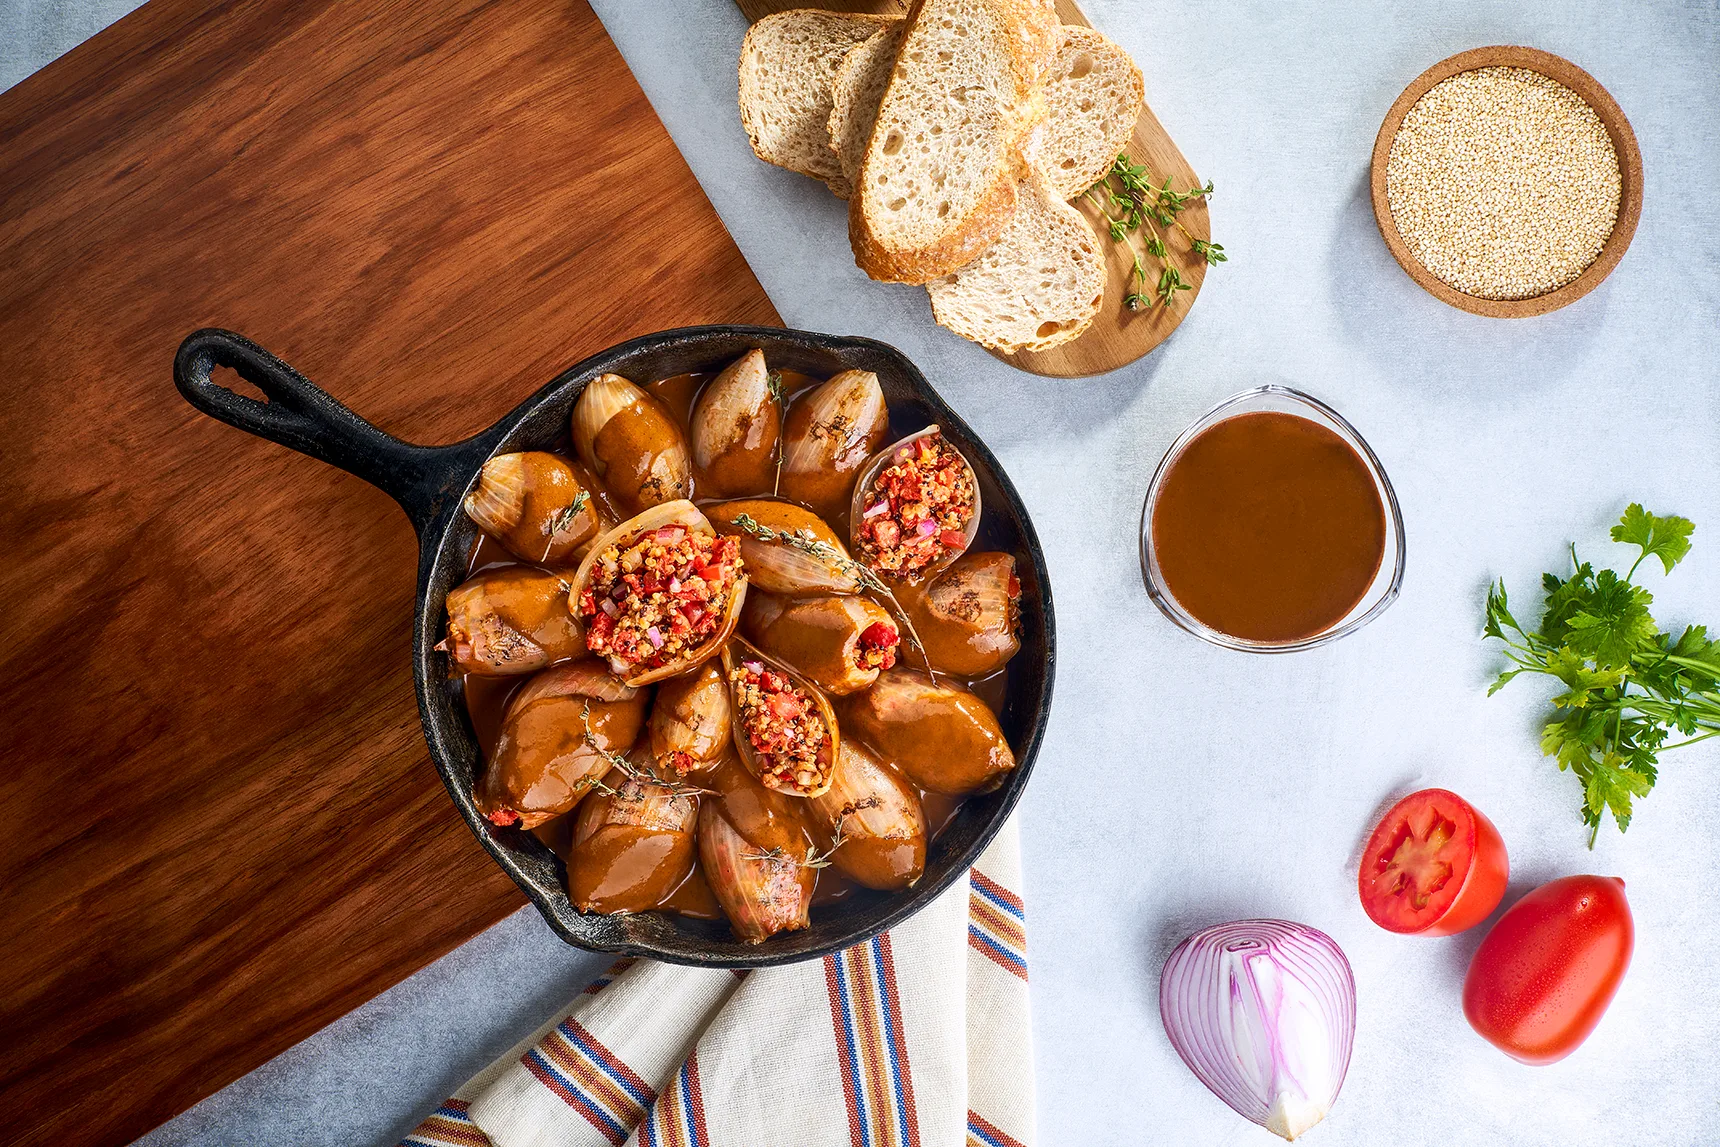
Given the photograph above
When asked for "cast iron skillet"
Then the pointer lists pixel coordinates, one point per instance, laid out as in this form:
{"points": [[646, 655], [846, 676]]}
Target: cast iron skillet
{"points": [[429, 482]]}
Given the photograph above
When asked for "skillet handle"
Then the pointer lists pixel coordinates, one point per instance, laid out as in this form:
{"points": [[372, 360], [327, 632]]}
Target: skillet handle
{"points": [[301, 415]]}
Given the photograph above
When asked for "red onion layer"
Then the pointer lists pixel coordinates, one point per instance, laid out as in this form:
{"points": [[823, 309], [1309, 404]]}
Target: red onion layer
{"points": [[1264, 1013]]}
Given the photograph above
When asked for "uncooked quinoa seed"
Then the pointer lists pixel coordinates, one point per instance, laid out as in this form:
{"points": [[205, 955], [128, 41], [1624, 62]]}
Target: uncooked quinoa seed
{"points": [[1503, 183]]}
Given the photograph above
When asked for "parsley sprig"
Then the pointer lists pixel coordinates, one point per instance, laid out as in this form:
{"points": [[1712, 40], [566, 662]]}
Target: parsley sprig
{"points": [[1629, 686], [1150, 209]]}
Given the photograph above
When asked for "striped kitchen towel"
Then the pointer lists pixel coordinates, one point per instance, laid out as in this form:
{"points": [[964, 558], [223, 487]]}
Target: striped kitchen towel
{"points": [[918, 1038]]}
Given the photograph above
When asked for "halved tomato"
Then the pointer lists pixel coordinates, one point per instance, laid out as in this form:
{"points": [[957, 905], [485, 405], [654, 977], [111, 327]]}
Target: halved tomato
{"points": [[1433, 866]]}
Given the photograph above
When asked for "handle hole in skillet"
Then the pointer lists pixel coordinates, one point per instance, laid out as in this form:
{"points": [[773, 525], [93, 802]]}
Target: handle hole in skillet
{"points": [[230, 379]]}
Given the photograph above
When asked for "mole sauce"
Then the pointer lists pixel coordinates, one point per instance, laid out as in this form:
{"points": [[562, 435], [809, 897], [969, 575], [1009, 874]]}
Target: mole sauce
{"points": [[487, 697], [1268, 527]]}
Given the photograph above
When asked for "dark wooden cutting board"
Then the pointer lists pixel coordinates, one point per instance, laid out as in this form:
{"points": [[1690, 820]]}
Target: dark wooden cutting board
{"points": [[222, 827]]}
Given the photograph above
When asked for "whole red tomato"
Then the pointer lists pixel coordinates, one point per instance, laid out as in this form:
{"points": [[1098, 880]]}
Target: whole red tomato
{"points": [[1544, 976], [1433, 866]]}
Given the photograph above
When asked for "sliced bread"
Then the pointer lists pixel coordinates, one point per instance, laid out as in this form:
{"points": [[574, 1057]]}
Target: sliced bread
{"points": [[938, 181], [787, 62], [1093, 95], [1039, 285], [855, 94]]}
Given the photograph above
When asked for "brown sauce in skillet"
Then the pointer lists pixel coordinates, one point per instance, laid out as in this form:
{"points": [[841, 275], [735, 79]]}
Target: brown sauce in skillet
{"points": [[1268, 527], [487, 697]]}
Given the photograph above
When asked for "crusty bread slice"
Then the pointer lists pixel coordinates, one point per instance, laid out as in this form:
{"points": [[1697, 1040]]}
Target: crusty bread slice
{"points": [[855, 94], [937, 184], [787, 62], [1093, 96], [1039, 285]]}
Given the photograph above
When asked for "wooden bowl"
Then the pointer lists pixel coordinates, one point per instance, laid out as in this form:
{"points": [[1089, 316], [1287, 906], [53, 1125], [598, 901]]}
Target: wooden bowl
{"points": [[1618, 130]]}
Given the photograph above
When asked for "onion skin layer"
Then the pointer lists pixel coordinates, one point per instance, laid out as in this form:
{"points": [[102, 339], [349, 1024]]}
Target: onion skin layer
{"points": [[752, 842], [1264, 1013], [509, 621], [735, 427], [967, 618], [831, 431]]}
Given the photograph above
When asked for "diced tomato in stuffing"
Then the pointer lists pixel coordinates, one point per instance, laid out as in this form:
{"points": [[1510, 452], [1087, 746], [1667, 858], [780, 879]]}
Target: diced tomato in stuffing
{"points": [[667, 592], [918, 509]]}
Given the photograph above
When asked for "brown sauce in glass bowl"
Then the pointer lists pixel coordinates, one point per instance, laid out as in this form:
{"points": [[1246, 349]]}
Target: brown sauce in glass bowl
{"points": [[1268, 527]]}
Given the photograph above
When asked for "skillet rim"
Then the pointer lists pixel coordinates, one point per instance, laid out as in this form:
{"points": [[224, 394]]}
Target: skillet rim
{"points": [[440, 529]]}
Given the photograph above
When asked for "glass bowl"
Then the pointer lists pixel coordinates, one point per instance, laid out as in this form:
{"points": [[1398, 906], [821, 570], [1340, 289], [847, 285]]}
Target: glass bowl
{"points": [[1388, 580]]}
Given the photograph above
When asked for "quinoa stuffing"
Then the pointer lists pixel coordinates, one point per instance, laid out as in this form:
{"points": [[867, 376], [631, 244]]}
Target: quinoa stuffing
{"points": [[783, 725], [917, 509], [664, 594]]}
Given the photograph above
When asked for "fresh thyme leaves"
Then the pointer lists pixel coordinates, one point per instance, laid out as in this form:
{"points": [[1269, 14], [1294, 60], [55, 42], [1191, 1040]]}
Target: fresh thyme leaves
{"points": [[564, 519], [813, 858], [1628, 685], [1150, 209], [804, 541], [774, 381], [631, 771], [809, 544]]}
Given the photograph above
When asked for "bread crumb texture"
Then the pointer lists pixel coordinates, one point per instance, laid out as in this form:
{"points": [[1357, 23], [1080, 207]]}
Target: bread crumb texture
{"points": [[788, 61], [1040, 285]]}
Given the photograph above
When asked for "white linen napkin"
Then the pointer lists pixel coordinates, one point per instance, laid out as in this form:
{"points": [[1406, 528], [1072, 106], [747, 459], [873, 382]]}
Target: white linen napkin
{"points": [[918, 1038]]}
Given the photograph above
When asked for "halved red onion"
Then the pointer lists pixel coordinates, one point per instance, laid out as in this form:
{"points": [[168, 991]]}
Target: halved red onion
{"points": [[1264, 1013]]}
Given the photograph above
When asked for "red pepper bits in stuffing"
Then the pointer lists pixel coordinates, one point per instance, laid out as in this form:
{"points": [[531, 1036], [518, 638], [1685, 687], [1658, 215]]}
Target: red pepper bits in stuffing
{"points": [[876, 648], [784, 727], [665, 594], [917, 509]]}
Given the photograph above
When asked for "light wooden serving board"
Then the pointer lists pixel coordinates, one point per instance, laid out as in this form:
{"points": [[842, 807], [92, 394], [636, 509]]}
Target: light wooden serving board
{"points": [[1117, 337]]}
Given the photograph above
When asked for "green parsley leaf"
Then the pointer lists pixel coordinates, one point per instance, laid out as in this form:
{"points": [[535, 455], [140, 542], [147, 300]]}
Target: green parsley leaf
{"points": [[1499, 616], [1666, 538], [1584, 683], [1610, 786], [1627, 685], [1564, 600], [1612, 621]]}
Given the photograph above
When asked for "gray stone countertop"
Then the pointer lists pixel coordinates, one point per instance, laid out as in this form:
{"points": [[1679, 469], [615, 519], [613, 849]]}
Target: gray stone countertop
{"points": [[1182, 784]]}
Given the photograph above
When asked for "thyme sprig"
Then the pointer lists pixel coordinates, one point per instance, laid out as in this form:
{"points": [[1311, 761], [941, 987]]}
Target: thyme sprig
{"points": [[810, 544], [628, 769], [565, 517], [774, 381], [813, 857], [1150, 209]]}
